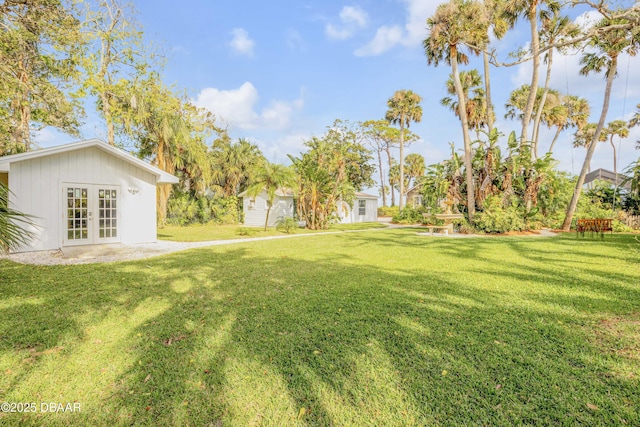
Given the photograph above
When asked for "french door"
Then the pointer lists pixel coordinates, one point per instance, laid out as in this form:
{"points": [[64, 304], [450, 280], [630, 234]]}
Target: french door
{"points": [[91, 214]]}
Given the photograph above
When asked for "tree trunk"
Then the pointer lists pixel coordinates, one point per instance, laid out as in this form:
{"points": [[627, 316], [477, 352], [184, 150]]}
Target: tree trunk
{"points": [[487, 89], [543, 100], [462, 112], [24, 107], [555, 138], [382, 189], [401, 195], [571, 209], [106, 111], [266, 220], [615, 161], [393, 191], [535, 50]]}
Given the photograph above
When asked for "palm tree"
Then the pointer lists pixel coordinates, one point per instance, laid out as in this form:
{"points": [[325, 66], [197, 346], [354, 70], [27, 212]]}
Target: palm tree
{"points": [[415, 168], [499, 26], [554, 29], [513, 9], [404, 108], [477, 114], [608, 47], [573, 112], [14, 225], [456, 24], [621, 129], [233, 165], [271, 178]]}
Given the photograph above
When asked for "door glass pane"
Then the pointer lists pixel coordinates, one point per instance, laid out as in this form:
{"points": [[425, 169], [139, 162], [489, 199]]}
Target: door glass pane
{"points": [[107, 213], [77, 224]]}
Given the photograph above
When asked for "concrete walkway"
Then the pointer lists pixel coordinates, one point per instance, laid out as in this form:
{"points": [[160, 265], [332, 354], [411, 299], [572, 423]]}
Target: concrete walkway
{"points": [[120, 252]]}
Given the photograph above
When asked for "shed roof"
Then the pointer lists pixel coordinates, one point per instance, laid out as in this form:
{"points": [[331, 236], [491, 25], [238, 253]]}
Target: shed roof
{"points": [[365, 196], [281, 192], [608, 176], [162, 176]]}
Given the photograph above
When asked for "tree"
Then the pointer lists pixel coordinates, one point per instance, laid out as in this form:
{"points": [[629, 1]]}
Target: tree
{"points": [[404, 108], [415, 168], [499, 25], [574, 112], [333, 168], [476, 106], [234, 164], [514, 9], [270, 178], [608, 47], [618, 128], [383, 138], [39, 49], [456, 24], [14, 225], [116, 57], [170, 131], [554, 29]]}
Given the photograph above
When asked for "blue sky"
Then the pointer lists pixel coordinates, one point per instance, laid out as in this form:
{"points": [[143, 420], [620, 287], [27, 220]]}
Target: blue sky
{"points": [[278, 73]]}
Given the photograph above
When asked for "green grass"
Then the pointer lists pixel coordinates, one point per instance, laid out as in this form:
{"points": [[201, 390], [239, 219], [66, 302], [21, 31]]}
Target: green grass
{"points": [[381, 328], [199, 233]]}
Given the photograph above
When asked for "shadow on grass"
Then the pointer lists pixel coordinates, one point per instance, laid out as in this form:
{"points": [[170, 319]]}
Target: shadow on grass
{"points": [[383, 328]]}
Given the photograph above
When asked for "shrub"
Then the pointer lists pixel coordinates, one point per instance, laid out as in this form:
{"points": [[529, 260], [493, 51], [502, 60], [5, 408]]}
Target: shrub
{"points": [[495, 218], [286, 225], [388, 211], [185, 209], [409, 215]]}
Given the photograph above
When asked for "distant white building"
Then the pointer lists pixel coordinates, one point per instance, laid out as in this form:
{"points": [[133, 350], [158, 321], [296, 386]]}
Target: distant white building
{"points": [[364, 209], [84, 193], [255, 208]]}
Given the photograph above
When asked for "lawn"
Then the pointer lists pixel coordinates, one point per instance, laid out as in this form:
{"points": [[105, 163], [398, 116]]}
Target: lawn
{"points": [[199, 233], [378, 328]]}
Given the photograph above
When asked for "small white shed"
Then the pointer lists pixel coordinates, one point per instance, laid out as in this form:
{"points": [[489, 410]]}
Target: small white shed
{"points": [[255, 208], [84, 193], [364, 209]]}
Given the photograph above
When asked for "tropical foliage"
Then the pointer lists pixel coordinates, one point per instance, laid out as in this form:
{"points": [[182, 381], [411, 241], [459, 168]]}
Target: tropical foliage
{"points": [[329, 173], [15, 227]]}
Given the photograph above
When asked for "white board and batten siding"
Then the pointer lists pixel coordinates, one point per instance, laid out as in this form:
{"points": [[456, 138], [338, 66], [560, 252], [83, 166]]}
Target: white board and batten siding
{"points": [[39, 185], [255, 209], [365, 208]]}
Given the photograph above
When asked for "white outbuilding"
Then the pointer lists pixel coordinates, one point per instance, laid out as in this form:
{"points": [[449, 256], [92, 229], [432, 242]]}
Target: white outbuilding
{"points": [[255, 208], [84, 193], [364, 209]]}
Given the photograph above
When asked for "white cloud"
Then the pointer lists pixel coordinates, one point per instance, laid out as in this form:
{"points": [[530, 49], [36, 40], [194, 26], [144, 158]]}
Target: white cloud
{"points": [[241, 43], [385, 39], [351, 14], [237, 107], [412, 34], [352, 18]]}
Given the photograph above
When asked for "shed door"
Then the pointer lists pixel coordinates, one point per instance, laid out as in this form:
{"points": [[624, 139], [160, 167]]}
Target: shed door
{"points": [[91, 215]]}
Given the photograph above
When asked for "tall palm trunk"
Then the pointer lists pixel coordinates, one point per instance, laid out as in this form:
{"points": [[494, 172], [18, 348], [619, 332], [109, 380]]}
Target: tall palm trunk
{"points": [[487, 89], [393, 192], [462, 112], [571, 209], [382, 189], [555, 138], [266, 220], [615, 160], [401, 195], [535, 51], [543, 100]]}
